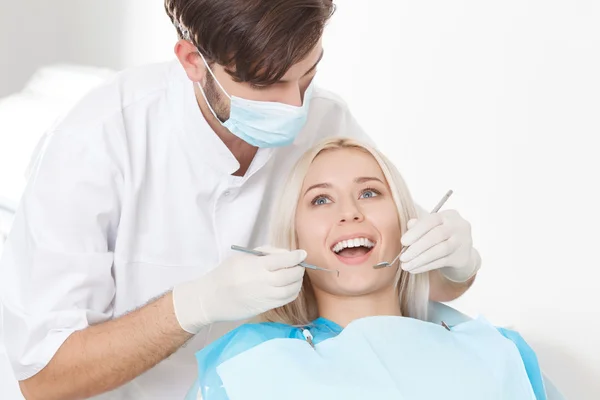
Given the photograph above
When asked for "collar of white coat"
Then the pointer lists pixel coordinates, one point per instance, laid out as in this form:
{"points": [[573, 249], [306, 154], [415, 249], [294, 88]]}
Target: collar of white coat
{"points": [[197, 133]]}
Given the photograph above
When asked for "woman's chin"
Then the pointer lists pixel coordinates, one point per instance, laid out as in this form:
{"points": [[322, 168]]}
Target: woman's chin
{"points": [[354, 283]]}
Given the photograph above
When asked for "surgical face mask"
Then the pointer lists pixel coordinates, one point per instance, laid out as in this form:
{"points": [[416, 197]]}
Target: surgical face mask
{"points": [[262, 123]]}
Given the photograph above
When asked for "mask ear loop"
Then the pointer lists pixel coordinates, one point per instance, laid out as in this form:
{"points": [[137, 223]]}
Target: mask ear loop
{"points": [[204, 94], [213, 75]]}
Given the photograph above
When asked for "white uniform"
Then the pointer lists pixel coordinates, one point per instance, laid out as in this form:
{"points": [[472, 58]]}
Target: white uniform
{"points": [[131, 194]]}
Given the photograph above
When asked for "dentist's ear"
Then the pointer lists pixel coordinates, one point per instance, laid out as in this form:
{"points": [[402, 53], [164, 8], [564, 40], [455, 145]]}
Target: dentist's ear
{"points": [[190, 60]]}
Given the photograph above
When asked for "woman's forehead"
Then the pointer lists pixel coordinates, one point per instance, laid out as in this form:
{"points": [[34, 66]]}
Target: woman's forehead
{"points": [[341, 165]]}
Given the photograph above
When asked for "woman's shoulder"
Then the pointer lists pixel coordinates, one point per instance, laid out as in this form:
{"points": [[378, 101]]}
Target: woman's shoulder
{"points": [[530, 360], [255, 333]]}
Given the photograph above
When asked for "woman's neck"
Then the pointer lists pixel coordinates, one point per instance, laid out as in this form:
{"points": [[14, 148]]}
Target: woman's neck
{"points": [[343, 309]]}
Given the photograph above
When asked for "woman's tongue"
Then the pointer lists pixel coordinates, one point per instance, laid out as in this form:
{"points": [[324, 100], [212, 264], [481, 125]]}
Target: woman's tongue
{"points": [[352, 252]]}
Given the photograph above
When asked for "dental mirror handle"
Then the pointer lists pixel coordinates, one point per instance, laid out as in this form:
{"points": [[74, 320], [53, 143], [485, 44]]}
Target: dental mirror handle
{"points": [[442, 202], [437, 208]]}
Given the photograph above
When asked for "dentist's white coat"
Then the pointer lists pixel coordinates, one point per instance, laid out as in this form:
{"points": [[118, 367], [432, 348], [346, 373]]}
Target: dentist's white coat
{"points": [[131, 194]]}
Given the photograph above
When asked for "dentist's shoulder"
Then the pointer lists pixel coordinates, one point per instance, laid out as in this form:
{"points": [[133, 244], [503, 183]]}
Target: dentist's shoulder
{"points": [[329, 115]]}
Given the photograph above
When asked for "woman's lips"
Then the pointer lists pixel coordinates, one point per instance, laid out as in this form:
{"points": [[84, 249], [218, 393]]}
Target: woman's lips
{"points": [[355, 260]]}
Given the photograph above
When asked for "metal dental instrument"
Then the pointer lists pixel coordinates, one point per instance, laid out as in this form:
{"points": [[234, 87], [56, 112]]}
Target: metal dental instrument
{"points": [[439, 205], [302, 264]]}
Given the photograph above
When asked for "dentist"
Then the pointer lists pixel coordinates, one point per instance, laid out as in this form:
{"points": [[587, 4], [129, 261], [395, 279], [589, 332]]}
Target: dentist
{"points": [[119, 253]]}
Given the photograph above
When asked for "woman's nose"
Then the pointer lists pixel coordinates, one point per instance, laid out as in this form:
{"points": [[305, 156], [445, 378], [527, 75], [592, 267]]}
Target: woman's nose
{"points": [[351, 214]]}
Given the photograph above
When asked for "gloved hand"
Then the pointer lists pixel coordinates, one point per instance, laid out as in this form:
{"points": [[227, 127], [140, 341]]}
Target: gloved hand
{"points": [[242, 287], [440, 241]]}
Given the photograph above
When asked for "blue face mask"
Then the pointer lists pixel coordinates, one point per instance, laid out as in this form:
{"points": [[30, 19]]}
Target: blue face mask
{"points": [[263, 123]]}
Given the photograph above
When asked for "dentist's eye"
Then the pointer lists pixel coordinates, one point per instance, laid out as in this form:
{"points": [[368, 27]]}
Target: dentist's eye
{"points": [[320, 200], [368, 193], [258, 87]]}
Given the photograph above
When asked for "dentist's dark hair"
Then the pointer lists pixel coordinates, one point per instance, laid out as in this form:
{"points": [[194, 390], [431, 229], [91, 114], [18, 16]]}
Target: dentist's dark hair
{"points": [[257, 41]]}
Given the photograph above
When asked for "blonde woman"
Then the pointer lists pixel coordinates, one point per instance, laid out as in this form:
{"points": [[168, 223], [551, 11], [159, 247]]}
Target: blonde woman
{"points": [[347, 206]]}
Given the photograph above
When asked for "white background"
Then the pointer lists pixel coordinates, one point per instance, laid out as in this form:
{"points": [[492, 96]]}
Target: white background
{"points": [[498, 101]]}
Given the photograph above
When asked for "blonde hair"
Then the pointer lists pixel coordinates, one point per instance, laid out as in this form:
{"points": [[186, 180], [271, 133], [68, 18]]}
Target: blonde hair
{"points": [[413, 289]]}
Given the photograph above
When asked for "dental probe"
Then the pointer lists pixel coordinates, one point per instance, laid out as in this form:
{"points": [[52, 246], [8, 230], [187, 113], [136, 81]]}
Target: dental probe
{"points": [[302, 264]]}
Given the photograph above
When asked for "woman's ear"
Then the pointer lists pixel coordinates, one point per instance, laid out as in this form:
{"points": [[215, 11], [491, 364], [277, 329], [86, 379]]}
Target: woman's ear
{"points": [[190, 60]]}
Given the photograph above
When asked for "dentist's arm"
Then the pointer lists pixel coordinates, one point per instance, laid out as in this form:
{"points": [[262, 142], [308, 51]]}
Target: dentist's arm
{"points": [[105, 356]]}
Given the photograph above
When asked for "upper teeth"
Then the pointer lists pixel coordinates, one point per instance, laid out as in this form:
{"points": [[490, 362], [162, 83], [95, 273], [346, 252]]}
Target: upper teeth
{"points": [[357, 242]]}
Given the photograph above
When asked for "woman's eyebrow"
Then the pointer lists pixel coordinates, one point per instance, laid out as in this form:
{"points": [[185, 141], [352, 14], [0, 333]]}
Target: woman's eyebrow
{"points": [[364, 179], [318, 186]]}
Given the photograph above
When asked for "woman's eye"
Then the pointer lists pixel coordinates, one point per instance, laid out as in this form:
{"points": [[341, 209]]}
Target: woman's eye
{"points": [[320, 200], [368, 193]]}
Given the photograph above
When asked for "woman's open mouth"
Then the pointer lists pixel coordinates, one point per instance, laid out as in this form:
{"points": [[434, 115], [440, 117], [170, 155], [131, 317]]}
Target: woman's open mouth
{"points": [[353, 251]]}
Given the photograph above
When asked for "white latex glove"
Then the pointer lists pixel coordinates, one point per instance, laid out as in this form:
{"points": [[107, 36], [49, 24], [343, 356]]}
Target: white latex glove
{"points": [[242, 287], [440, 241]]}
